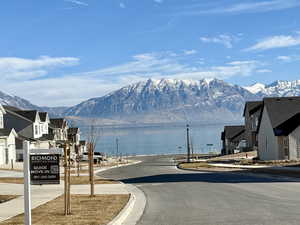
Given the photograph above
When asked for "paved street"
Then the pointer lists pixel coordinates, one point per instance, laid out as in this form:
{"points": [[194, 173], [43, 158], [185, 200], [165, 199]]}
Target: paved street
{"points": [[176, 197]]}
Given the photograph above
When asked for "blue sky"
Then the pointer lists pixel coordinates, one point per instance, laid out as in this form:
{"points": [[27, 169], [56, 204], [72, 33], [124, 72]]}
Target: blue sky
{"points": [[61, 52]]}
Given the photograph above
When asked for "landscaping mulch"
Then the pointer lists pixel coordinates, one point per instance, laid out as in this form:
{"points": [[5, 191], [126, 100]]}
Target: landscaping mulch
{"points": [[6, 198], [98, 210]]}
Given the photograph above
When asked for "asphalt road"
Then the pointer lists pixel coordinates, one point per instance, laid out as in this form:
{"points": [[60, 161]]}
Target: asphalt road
{"points": [[177, 197]]}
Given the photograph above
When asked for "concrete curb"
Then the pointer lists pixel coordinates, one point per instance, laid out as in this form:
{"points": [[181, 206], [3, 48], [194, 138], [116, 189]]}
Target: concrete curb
{"points": [[134, 209]]}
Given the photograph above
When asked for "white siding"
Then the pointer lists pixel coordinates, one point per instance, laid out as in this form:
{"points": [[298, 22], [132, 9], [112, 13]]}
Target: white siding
{"points": [[7, 149], [267, 142], [1, 120], [294, 144]]}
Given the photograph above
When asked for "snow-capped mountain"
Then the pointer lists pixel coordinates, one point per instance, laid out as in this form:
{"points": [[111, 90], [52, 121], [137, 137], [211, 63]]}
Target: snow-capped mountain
{"points": [[21, 103], [18, 102], [169, 100], [277, 88], [256, 88]]}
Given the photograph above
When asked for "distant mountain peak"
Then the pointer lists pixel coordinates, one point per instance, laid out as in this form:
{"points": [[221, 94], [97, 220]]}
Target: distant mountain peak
{"points": [[255, 88]]}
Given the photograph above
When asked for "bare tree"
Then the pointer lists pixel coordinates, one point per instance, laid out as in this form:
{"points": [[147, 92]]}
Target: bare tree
{"points": [[93, 136]]}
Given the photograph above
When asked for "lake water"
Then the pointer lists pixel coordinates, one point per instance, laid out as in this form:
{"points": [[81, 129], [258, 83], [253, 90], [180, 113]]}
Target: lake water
{"points": [[161, 139]]}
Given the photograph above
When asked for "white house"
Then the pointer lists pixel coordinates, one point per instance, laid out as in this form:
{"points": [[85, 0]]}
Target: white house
{"points": [[279, 129], [44, 122], [7, 141]]}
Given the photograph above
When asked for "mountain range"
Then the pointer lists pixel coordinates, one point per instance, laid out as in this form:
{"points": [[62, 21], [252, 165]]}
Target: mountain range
{"points": [[168, 100]]}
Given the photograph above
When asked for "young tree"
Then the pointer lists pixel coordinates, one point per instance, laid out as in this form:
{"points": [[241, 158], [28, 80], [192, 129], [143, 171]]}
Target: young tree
{"points": [[93, 136]]}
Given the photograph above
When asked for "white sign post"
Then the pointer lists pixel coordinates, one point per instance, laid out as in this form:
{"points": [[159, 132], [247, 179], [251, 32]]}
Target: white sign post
{"points": [[27, 191]]}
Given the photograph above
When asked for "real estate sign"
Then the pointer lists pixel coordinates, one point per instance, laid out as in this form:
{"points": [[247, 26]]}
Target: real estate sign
{"points": [[44, 169]]}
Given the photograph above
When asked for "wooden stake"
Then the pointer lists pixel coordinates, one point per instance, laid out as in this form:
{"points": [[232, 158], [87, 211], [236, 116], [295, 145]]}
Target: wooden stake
{"points": [[69, 181], [66, 180]]}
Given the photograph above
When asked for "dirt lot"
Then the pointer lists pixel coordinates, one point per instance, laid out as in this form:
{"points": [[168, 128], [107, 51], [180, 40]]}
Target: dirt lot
{"points": [[98, 210], [85, 180]]}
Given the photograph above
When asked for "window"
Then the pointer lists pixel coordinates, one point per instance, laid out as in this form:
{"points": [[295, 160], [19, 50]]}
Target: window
{"points": [[36, 130], [1, 121]]}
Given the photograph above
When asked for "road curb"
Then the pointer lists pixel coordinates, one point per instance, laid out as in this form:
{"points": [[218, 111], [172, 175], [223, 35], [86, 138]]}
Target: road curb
{"points": [[133, 210]]}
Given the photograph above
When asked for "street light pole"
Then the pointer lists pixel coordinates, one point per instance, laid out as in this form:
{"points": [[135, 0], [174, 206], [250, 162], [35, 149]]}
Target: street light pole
{"points": [[117, 144], [188, 143]]}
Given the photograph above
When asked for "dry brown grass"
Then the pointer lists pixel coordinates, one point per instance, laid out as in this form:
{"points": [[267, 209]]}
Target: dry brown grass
{"points": [[194, 165], [85, 180], [98, 210], [237, 155], [5, 198], [12, 180], [203, 166]]}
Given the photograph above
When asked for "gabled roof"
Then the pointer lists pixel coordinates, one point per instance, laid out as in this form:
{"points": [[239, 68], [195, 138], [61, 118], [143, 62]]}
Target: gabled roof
{"points": [[6, 132], [11, 108], [252, 107], [2, 109], [233, 131], [29, 114], [43, 116], [281, 109], [14, 113], [283, 113], [57, 122]]}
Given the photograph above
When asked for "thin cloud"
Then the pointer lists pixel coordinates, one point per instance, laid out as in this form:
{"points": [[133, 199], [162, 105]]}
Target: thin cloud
{"points": [[77, 2], [190, 52], [122, 5], [264, 71], [71, 89], [14, 68], [288, 58], [224, 39], [280, 41], [245, 7]]}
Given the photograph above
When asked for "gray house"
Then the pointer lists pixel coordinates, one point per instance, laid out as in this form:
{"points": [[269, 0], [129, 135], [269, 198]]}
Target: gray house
{"points": [[279, 129], [251, 114], [26, 123], [231, 137]]}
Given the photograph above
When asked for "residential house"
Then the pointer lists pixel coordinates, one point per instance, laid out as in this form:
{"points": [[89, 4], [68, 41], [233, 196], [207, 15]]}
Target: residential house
{"points": [[251, 114], [231, 138], [7, 141], [59, 129], [27, 123], [83, 147], [279, 129], [74, 139], [45, 121], [7, 145]]}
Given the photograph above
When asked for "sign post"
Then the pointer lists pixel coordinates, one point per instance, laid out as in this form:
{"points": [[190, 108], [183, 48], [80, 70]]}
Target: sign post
{"points": [[27, 191]]}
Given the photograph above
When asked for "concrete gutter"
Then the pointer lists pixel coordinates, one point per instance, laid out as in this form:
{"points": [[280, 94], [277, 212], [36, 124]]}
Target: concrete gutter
{"points": [[134, 209]]}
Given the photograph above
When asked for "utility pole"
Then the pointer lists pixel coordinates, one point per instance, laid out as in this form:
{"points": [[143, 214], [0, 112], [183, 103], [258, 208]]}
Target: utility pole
{"points": [[188, 143], [117, 144]]}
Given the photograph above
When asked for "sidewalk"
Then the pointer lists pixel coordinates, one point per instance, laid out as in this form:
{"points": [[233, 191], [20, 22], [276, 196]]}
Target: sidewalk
{"points": [[42, 194]]}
